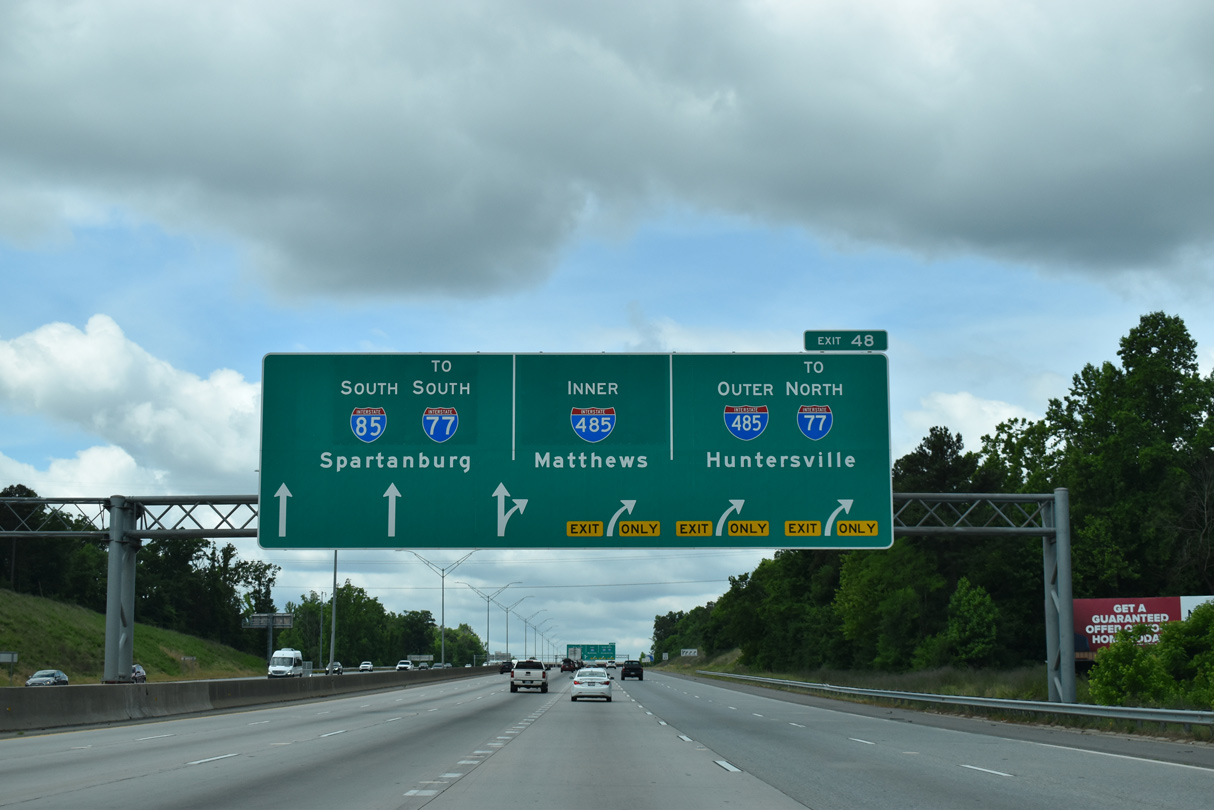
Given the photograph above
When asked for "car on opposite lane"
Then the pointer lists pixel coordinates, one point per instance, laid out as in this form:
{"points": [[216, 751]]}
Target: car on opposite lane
{"points": [[48, 677], [138, 674], [404, 665], [592, 683], [336, 668], [366, 666]]}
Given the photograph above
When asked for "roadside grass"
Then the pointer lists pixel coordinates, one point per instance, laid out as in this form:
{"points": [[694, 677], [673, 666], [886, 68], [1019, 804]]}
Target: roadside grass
{"points": [[1026, 683], [47, 634]]}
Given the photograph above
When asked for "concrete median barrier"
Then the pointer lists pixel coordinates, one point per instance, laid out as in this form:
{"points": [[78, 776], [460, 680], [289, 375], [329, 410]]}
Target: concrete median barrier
{"points": [[30, 708]]}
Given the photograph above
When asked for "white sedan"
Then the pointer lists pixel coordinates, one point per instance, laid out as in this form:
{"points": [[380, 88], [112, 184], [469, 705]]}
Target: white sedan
{"points": [[590, 683]]}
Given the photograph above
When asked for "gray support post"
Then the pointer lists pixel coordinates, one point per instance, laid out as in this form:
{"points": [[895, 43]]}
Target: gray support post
{"points": [[120, 595], [1059, 612], [333, 616], [1066, 607]]}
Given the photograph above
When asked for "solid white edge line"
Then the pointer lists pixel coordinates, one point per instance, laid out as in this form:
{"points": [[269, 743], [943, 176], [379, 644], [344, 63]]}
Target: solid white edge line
{"points": [[727, 766], [1122, 756], [984, 770], [212, 759]]}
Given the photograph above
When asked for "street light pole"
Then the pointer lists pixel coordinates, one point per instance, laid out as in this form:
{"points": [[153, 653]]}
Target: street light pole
{"points": [[537, 629], [508, 609], [488, 598], [526, 624], [442, 573]]}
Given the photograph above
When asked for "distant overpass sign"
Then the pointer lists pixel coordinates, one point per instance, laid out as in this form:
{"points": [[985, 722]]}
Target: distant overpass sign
{"points": [[575, 451]]}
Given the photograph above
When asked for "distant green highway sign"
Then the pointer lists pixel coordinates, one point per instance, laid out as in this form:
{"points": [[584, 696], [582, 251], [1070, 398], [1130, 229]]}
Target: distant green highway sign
{"points": [[591, 652], [575, 451]]}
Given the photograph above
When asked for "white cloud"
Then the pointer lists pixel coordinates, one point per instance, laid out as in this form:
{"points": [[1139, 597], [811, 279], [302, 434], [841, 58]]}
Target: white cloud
{"points": [[962, 413], [157, 418], [456, 148]]}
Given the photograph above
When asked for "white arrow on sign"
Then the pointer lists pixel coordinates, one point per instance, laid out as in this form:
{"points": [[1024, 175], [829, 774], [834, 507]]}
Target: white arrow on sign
{"points": [[627, 507], [502, 515], [735, 506], [282, 494], [844, 506], [392, 494]]}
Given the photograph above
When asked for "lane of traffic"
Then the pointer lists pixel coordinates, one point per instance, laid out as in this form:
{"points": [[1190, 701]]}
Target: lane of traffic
{"points": [[833, 758]]}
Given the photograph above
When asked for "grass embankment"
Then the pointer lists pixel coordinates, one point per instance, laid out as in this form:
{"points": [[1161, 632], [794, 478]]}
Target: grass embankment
{"points": [[1027, 683], [47, 634]]}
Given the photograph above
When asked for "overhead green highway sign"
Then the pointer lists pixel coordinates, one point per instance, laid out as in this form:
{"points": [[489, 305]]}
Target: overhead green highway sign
{"points": [[847, 340], [575, 451]]}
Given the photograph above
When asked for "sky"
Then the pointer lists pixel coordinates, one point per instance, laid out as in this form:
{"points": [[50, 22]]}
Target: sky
{"points": [[1004, 187]]}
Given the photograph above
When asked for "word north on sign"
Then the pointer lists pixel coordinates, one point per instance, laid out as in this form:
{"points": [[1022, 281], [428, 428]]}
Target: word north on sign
{"points": [[576, 451]]}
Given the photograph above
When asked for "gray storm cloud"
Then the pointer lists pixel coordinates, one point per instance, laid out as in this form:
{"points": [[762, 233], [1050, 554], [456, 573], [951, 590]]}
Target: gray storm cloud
{"points": [[458, 148]]}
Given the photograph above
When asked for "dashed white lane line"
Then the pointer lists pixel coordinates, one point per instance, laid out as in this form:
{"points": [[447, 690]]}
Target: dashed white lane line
{"points": [[157, 737], [727, 766], [985, 770], [211, 759], [332, 733], [1123, 756], [798, 725], [857, 739]]}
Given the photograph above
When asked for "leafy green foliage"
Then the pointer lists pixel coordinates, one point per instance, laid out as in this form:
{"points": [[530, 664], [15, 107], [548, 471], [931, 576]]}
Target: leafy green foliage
{"points": [[1128, 673], [972, 624]]}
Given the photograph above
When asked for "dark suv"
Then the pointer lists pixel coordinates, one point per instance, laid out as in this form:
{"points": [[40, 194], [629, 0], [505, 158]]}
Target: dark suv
{"points": [[632, 669]]}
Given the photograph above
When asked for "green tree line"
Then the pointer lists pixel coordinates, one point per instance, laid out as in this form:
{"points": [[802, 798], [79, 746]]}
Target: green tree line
{"points": [[368, 632], [1131, 441]]}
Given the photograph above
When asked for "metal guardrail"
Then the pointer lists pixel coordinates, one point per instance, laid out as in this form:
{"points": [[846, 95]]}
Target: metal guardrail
{"points": [[1175, 716]]}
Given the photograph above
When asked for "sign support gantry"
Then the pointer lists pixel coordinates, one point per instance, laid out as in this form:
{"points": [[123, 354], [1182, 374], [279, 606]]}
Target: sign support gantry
{"points": [[125, 521]]}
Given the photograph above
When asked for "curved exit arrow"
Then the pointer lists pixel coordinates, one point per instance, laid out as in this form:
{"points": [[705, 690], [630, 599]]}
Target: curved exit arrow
{"points": [[844, 506], [627, 507], [502, 515], [735, 506]]}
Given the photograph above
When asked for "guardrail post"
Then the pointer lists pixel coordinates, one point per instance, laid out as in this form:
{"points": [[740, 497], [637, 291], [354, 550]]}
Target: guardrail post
{"points": [[120, 595]]}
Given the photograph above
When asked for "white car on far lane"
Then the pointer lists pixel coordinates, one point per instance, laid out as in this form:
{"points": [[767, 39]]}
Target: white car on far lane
{"points": [[366, 666], [592, 683]]}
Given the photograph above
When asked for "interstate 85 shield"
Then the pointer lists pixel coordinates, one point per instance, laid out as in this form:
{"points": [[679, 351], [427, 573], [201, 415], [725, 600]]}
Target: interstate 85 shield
{"points": [[368, 424]]}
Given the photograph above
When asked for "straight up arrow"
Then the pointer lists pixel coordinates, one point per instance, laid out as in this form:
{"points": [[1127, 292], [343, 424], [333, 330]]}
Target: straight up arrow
{"points": [[282, 494], [392, 494]]}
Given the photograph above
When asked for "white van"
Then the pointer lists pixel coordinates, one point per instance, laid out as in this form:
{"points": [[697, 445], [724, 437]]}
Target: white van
{"points": [[286, 663]]}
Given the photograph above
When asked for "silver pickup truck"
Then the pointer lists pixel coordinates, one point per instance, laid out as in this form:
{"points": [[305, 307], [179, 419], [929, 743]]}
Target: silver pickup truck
{"points": [[528, 675]]}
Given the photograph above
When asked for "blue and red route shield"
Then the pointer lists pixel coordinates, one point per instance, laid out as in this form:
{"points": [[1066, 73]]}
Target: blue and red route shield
{"points": [[815, 421], [368, 424], [593, 424], [746, 422], [440, 424]]}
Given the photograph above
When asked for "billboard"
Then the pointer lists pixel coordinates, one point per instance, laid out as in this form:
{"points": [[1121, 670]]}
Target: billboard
{"points": [[1098, 620]]}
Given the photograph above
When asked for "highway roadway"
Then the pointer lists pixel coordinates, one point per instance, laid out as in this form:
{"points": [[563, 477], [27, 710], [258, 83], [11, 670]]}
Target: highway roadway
{"points": [[669, 742]]}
